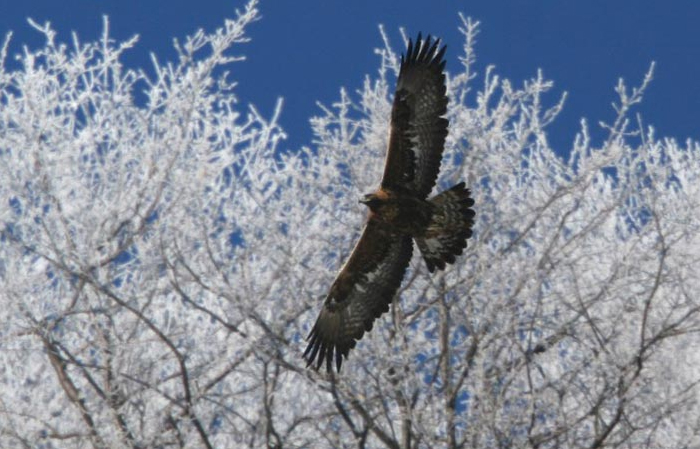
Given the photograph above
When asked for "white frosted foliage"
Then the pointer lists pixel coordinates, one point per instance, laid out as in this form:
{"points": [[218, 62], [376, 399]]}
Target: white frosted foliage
{"points": [[163, 257]]}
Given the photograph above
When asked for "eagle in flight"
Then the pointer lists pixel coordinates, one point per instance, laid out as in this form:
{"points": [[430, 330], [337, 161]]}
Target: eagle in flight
{"points": [[399, 212]]}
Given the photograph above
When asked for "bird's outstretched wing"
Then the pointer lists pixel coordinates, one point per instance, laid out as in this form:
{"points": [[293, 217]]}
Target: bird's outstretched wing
{"points": [[362, 291], [418, 128]]}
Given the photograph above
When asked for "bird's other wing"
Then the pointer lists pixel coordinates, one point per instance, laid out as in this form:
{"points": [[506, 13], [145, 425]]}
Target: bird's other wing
{"points": [[418, 128], [361, 293]]}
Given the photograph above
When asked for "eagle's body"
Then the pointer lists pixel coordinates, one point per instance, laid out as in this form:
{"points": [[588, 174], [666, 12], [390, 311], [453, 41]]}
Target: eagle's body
{"points": [[400, 212]]}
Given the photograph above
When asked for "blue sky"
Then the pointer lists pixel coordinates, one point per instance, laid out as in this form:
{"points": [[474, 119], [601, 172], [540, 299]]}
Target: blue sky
{"points": [[305, 50]]}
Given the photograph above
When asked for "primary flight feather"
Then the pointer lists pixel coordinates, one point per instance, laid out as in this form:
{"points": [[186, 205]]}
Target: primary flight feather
{"points": [[399, 211]]}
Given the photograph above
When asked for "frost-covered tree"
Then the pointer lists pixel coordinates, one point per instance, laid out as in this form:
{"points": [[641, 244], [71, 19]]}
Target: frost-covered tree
{"points": [[161, 262]]}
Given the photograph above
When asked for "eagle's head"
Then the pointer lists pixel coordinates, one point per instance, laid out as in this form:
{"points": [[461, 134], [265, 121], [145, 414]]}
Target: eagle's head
{"points": [[371, 200]]}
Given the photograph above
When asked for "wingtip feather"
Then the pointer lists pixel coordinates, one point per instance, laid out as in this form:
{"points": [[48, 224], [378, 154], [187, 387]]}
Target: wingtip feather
{"points": [[338, 360]]}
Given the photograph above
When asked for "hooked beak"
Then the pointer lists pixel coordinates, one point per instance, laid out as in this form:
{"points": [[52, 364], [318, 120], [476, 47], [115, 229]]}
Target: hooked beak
{"points": [[365, 199]]}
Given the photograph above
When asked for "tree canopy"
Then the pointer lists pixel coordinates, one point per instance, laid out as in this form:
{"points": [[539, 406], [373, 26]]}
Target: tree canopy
{"points": [[162, 260]]}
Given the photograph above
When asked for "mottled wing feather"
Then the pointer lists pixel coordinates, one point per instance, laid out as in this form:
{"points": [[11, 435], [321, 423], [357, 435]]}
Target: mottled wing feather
{"points": [[418, 128], [361, 293]]}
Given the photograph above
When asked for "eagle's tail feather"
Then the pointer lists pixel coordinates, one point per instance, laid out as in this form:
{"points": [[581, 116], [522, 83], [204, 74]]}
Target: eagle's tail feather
{"points": [[451, 226]]}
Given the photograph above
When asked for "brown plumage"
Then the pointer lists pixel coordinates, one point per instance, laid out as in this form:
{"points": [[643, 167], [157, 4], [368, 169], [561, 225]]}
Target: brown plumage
{"points": [[399, 212]]}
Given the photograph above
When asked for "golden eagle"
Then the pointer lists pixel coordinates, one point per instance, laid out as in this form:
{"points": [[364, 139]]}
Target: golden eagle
{"points": [[399, 212]]}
